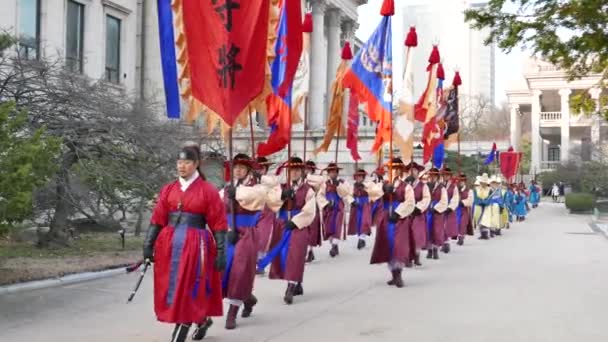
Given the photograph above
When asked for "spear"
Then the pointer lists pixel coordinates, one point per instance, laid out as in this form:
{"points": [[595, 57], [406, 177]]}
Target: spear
{"points": [[305, 124]]}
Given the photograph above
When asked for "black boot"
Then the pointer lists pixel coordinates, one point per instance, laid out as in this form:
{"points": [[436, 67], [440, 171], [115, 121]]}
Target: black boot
{"points": [[492, 233], [289, 293], [409, 264], [445, 248], [398, 279], [484, 235], [393, 279], [180, 333], [201, 330], [361, 244], [298, 290], [311, 256], [248, 306], [435, 253], [498, 232], [460, 241], [233, 311], [333, 252], [429, 253], [417, 259]]}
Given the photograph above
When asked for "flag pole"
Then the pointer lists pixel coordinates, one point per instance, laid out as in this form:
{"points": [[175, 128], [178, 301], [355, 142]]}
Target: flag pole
{"points": [[338, 138], [305, 125], [251, 133], [231, 173]]}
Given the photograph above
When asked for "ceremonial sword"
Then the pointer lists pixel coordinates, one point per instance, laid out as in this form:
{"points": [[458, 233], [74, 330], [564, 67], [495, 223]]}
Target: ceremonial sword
{"points": [[141, 277]]}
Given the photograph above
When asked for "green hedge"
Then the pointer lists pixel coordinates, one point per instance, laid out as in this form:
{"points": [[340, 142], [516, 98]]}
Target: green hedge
{"points": [[580, 201]]}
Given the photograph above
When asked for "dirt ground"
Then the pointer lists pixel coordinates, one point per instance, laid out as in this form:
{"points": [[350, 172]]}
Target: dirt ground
{"points": [[95, 252]]}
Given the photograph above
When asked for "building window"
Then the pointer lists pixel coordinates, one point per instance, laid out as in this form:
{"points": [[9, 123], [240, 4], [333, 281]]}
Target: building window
{"points": [[112, 49], [553, 153], [29, 28], [74, 36]]}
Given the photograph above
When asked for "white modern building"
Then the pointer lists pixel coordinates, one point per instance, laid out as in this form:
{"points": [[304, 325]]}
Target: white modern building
{"points": [[557, 135], [461, 47]]}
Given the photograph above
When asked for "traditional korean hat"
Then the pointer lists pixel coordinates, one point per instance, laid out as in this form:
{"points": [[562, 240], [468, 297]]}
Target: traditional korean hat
{"points": [[446, 171], [292, 163], [483, 179], [496, 179], [189, 153], [414, 165], [243, 159], [477, 181], [396, 163], [461, 176], [332, 167], [263, 162], [310, 165], [433, 172], [360, 172]]}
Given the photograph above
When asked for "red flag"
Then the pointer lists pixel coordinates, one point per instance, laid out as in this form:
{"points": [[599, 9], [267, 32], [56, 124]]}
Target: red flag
{"points": [[226, 58], [432, 136], [353, 126], [509, 163], [293, 43]]}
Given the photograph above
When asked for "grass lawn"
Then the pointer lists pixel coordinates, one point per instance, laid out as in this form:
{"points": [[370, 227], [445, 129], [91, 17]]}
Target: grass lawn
{"points": [[21, 262]]}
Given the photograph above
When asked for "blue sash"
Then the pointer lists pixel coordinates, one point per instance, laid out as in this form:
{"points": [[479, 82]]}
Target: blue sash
{"points": [[333, 198], [360, 200], [459, 215], [390, 228], [282, 248], [242, 221], [375, 207], [429, 219], [202, 235]]}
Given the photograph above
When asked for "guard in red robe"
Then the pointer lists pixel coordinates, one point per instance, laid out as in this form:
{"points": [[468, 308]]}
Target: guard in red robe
{"points": [[464, 209], [435, 218], [314, 230], [422, 195], [331, 199], [264, 227], [295, 204], [451, 217], [245, 200], [360, 219], [186, 242], [393, 231]]}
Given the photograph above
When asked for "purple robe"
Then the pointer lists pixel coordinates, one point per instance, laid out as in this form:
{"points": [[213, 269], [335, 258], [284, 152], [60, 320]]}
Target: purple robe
{"points": [[437, 234], [451, 219], [293, 269], [239, 276], [389, 248], [465, 227], [263, 231], [333, 215], [360, 219], [315, 237], [419, 232]]}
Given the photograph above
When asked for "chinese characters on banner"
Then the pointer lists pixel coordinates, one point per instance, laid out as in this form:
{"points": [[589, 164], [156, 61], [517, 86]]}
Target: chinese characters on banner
{"points": [[227, 52]]}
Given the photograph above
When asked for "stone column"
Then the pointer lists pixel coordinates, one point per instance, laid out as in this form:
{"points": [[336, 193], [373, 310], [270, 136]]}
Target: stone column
{"points": [[333, 49], [596, 124], [535, 134], [318, 74], [515, 127], [565, 134]]}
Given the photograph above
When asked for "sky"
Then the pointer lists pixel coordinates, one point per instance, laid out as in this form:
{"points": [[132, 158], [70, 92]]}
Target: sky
{"points": [[507, 65]]}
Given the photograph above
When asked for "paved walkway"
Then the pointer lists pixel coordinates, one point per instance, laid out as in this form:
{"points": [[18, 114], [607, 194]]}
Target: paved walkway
{"points": [[545, 280]]}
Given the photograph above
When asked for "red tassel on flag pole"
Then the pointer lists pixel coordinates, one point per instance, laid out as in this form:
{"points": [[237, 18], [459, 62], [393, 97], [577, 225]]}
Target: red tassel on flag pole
{"points": [[388, 8], [440, 72], [347, 54], [307, 24], [434, 58], [457, 81], [412, 38]]}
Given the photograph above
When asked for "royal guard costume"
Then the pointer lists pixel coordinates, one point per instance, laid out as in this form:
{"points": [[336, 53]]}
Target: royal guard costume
{"points": [[245, 200], [314, 230], [186, 242], [451, 214], [505, 212], [393, 231], [496, 205], [331, 199], [486, 212], [463, 212], [534, 194], [378, 178], [263, 231], [435, 217], [422, 195], [360, 219], [520, 205], [295, 204]]}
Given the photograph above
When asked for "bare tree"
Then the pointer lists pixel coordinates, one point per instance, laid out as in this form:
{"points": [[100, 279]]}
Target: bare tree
{"points": [[473, 110], [116, 150]]}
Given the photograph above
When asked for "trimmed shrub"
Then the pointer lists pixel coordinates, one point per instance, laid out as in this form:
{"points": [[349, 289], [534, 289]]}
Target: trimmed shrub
{"points": [[578, 202]]}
